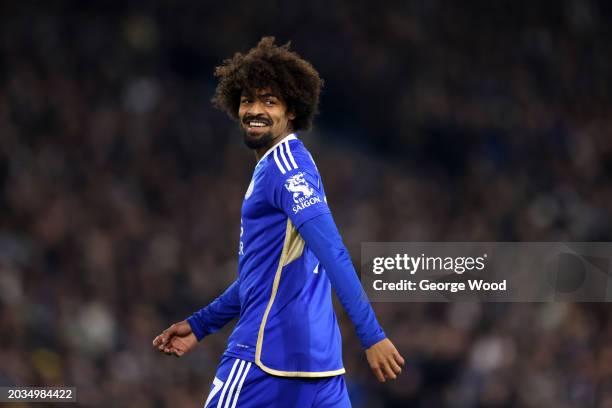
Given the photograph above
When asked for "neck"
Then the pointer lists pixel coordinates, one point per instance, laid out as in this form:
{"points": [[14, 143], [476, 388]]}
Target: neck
{"points": [[261, 151]]}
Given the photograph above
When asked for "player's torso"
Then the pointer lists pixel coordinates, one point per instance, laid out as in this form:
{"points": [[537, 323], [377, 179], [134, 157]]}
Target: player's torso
{"points": [[284, 292], [262, 232], [263, 227]]}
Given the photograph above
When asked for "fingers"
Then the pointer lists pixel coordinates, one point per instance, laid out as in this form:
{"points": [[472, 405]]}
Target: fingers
{"points": [[174, 347], [383, 373], [387, 367], [162, 340], [172, 351], [388, 372], [385, 360], [398, 358], [379, 375], [395, 367], [163, 343], [168, 342]]}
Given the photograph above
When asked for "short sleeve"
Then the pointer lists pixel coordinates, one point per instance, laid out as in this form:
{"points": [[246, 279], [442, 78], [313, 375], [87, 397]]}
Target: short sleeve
{"points": [[295, 186]]}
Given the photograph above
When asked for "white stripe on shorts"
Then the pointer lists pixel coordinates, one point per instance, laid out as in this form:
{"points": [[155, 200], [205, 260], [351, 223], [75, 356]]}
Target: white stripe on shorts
{"points": [[229, 378], [231, 390], [217, 384], [240, 385]]}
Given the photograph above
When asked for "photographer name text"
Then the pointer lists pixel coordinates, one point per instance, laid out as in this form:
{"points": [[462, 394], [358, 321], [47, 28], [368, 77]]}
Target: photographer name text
{"points": [[437, 286]]}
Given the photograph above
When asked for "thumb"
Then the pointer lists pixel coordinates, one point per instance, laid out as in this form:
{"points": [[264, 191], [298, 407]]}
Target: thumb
{"points": [[182, 328], [167, 334]]}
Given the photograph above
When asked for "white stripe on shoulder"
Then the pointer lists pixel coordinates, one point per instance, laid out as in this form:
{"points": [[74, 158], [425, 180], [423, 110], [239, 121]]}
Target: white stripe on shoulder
{"points": [[280, 167], [240, 385], [286, 143], [231, 390], [290, 137], [280, 148], [229, 379]]}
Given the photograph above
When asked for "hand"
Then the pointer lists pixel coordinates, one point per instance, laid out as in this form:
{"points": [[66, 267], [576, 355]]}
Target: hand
{"points": [[176, 340], [385, 361]]}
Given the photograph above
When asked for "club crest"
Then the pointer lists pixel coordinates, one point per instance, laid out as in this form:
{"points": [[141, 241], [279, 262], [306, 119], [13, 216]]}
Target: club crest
{"points": [[299, 187]]}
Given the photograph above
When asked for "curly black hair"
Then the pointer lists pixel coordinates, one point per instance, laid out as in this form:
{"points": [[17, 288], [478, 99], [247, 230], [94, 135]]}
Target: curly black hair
{"points": [[277, 67]]}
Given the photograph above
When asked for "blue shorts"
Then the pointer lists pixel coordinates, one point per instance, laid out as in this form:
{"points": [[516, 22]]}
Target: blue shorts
{"points": [[241, 384]]}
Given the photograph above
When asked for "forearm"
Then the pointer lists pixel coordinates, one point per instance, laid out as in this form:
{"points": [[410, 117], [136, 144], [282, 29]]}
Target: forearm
{"points": [[323, 238], [218, 313]]}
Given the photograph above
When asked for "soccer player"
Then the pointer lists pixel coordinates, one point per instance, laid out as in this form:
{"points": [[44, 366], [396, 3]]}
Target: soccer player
{"points": [[286, 349]]}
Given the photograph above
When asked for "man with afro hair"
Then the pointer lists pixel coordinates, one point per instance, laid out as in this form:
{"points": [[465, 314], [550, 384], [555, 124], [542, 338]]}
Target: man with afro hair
{"points": [[286, 349]]}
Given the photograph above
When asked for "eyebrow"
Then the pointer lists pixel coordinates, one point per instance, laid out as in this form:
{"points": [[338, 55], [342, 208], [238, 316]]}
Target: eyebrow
{"points": [[266, 95]]}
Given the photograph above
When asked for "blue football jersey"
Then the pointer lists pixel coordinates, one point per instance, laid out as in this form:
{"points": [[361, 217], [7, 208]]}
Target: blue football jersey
{"points": [[287, 324], [282, 295]]}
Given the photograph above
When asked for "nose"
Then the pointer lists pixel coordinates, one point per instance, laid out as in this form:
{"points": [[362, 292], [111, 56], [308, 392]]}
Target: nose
{"points": [[256, 108]]}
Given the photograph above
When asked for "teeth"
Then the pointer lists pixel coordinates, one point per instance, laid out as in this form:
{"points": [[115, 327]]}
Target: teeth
{"points": [[257, 124]]}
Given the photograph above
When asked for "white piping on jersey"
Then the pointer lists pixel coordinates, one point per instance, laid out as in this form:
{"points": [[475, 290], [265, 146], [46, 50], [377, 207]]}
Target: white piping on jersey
{"points": [[288, 149], [287, 138], [280, 167], [282, 153]]}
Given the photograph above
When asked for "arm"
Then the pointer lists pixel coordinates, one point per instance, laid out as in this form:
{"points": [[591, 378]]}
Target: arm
{"points": [[289, 186], [218, 313], [322, 237], [181, 337]]}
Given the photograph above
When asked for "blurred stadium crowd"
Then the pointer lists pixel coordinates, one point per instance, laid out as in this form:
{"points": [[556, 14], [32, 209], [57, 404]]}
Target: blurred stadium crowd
{"points": [[121, 187]]}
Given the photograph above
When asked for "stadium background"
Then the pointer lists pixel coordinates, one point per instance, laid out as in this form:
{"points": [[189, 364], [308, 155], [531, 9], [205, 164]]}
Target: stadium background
{"points": [[120, 185]]}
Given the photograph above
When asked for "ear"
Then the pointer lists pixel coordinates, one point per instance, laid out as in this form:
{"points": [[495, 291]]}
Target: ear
{"points": [[291, 115]]}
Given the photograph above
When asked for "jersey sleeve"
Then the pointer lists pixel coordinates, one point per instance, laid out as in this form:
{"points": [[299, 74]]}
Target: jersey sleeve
{"points": [[294, 185], [323, 238], [218, 313]]}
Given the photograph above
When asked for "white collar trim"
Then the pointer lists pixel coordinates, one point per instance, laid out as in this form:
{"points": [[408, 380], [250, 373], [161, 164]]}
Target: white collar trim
{"points": [[290, 136]]}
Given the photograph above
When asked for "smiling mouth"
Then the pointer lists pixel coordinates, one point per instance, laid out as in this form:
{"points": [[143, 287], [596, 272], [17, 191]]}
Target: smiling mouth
{"points": [[256, 124]]}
